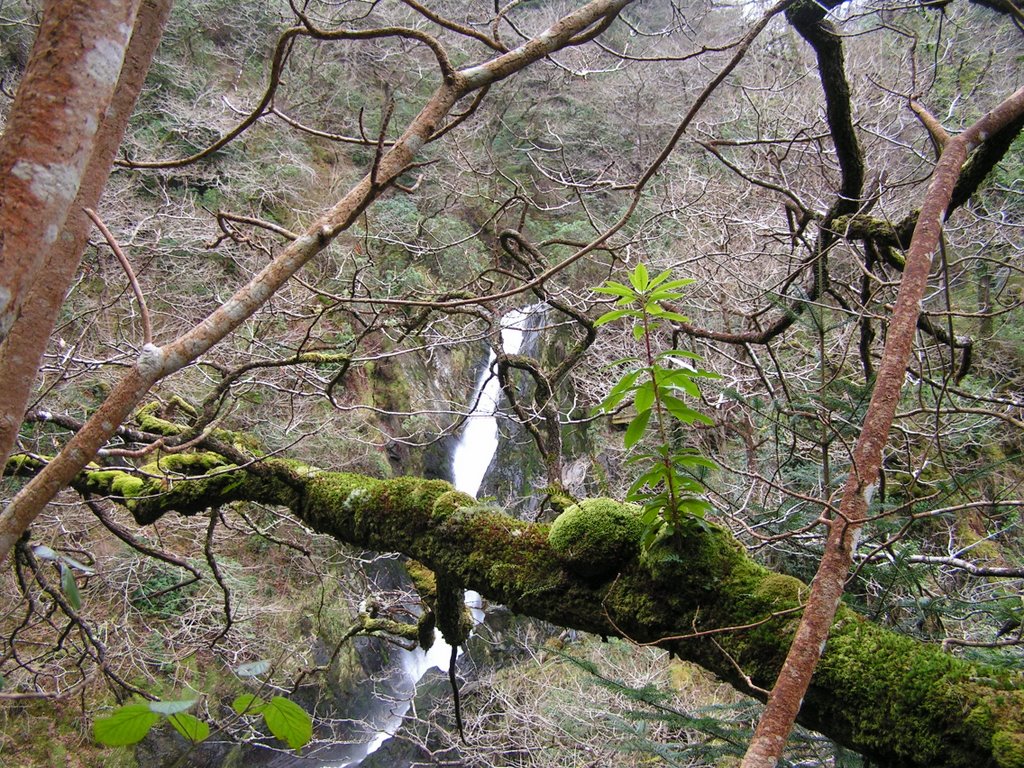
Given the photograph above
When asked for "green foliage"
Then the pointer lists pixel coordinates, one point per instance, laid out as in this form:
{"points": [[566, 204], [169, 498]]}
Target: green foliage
{"points": [[67, 566], [657, 383], [129, 724], [285, 719], [163, 594]]}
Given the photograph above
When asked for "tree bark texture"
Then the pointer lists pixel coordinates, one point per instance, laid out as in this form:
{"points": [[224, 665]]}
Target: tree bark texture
{"points": [[894, 699], [68, 84], [22, 351]]}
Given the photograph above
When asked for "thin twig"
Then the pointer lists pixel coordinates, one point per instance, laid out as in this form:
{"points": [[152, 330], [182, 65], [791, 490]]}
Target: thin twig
{"points": [[147, 328]]}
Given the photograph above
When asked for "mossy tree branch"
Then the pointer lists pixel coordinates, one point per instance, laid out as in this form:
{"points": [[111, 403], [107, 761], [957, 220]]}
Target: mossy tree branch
{"points": [[896, 700]]}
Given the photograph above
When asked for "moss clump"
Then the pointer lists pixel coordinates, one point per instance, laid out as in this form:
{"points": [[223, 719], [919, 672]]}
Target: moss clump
{"points": [[1008, 749], [191, 464], [423, 579], [449, 503], [782, 590], [596, 535]]}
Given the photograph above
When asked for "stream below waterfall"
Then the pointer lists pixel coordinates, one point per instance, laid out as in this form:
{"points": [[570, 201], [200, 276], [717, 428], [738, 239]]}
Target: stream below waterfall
{"points": [[471, 458]]}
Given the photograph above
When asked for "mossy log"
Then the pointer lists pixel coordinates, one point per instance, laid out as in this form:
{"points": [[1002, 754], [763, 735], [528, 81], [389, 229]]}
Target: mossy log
{"points": [[893, 699]]}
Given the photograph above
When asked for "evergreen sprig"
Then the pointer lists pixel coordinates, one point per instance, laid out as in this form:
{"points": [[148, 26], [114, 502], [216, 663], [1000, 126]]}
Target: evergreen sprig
{"points": [[657, 382]]}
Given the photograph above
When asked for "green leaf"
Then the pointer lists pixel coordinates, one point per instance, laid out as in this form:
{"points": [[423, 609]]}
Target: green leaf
{"points": [[677, 353], [253, 668], [661, 278], [644, 397], [171, 707], [615, 314], [192, 728], [636, 429], [618, 392], [675, 284], [612, 288], [640, 278], [685, 413], [127, 725], [660, 295], [247, 704], [693, 459], [651, 515], [288, 722], [666, 315], [69, 587], [686, 384]]}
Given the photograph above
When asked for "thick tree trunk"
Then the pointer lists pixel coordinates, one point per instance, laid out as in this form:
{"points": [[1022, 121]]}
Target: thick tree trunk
{"points": [[896, 700], [68, 83], [22, 350]]}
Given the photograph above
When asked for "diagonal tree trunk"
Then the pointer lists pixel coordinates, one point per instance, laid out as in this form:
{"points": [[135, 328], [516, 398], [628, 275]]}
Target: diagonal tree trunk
{"points": [[828, 585], [157, 362]]}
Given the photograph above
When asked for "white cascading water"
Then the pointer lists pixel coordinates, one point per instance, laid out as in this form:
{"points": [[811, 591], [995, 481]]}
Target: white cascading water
{"points": [[470, 460]]}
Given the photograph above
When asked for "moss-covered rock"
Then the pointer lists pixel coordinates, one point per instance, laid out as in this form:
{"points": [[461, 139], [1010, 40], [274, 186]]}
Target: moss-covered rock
{"points": [[595, 536]]}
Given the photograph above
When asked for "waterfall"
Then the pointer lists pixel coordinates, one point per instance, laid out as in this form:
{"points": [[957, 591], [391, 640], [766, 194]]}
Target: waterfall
{"points": [[479, 440], [470, 460]]}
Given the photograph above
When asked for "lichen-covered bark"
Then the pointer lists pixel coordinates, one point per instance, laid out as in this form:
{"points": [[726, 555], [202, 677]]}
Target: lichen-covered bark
{"points": [[892, 698]]}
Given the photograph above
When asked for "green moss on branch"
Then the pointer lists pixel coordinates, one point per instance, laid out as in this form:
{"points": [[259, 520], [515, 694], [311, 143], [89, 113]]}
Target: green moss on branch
{"points": [[894, 699]]}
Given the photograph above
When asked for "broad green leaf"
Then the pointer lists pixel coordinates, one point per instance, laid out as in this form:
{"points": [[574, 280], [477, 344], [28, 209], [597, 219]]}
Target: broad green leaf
{"points": [[636, 429], [77, 565], [650, 515], [288, 722], [644, 397], [683, 483], [613, 288], [677, 353], [618, 392], [653, 476], [638, 332], [685, 413], [253, 668], [639, 278], [615, 314], [171, 707], [127, 725], [694, 507], [674, 284], [69, 587], [247, 704], [659, 279], [626, 382], [686, 384], [666, 315], [192, 728], [693, 459], [658, 296]]}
